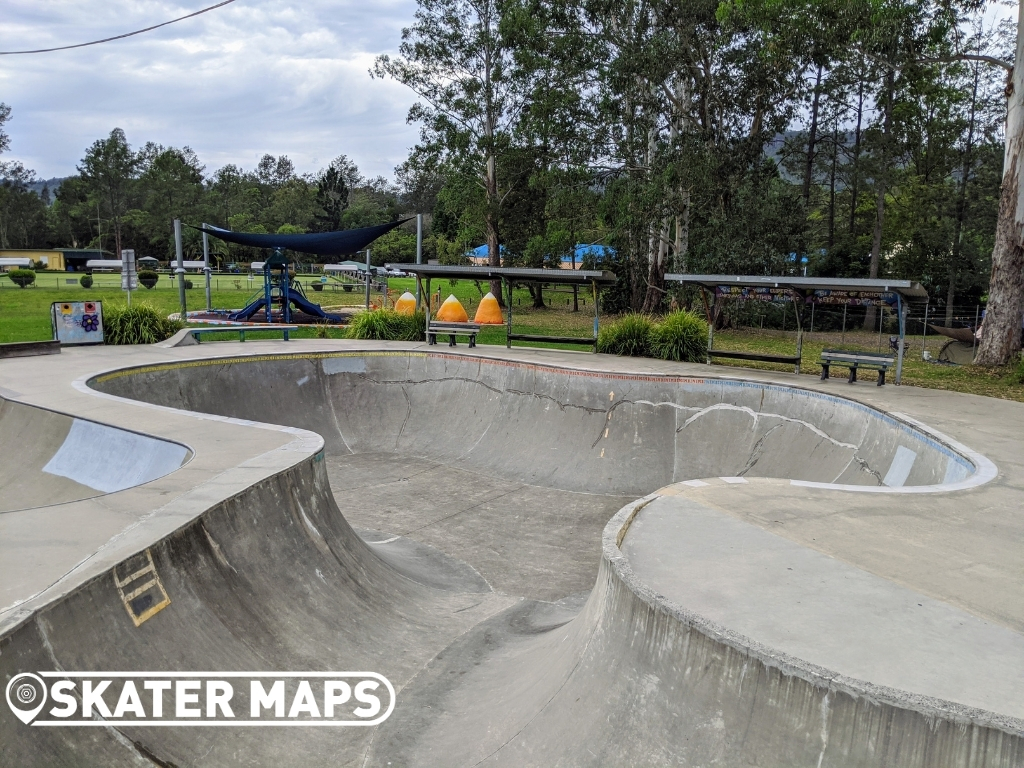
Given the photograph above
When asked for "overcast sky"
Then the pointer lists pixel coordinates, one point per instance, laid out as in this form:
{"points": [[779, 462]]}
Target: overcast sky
{"points": [[252, 77]]}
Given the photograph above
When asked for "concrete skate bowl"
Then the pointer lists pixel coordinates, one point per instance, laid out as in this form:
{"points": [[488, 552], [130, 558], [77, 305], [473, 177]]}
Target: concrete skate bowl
{"points": [[491, 666], [52, 458]]}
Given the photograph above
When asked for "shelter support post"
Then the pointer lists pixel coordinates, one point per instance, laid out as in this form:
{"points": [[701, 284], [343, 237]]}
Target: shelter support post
{"points": [[709, 311], [426, 306], [924, 336], [597, 314], [419, 253], [508, 320], [901, 309], [797, 299], [180, 270], [206, 266], [267, 288], [367, 279]]}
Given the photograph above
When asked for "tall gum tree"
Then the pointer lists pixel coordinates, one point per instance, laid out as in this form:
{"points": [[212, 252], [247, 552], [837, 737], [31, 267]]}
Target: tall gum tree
{"points": [[1001, 339], [457, 60]]}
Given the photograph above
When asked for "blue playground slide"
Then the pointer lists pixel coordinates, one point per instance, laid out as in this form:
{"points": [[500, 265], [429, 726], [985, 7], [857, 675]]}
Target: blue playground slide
{"points": [[296, 300]]}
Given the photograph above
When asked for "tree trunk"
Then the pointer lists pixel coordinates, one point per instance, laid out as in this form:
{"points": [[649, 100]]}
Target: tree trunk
{"points": [[537, 291], [950, 295], [812, 136], [656, 271], [491, 227], [961, 205], [832, 187], [856, 159], [876, 240], [1000, 340]]}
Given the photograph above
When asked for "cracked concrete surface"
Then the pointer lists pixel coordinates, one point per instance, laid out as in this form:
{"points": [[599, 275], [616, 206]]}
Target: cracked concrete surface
{"points": [[482, 496]]}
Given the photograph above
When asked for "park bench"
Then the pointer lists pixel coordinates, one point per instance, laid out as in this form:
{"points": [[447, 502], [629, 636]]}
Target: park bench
{"points": [[760, 357], [241, 330], [451, 330], [879, 361]]}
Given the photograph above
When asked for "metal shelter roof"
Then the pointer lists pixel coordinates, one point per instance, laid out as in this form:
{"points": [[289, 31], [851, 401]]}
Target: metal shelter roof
{"points": [[520, 274], [908, 289]]}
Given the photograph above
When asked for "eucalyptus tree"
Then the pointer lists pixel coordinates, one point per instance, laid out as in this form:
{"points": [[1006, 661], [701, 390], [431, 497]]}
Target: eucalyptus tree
{"points": [[1003, 320], [458, 59]]}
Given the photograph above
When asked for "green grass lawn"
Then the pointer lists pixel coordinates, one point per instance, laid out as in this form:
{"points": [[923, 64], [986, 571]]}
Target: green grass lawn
{"points": [[999, 382], [25, 316]]}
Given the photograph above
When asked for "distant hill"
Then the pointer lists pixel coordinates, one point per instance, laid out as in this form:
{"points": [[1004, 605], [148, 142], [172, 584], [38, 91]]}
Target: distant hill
{"points": [[51, 184]]}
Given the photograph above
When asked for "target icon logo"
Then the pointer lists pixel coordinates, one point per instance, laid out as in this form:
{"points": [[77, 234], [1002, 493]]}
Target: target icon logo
{"points": [[26, 696]]}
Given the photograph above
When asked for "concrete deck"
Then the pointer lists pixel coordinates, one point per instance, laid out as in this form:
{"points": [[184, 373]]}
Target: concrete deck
{"points": [[496, 475]]}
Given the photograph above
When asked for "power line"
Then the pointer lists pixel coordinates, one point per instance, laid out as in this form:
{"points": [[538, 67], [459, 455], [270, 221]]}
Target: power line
{"points": [[118, 37]]}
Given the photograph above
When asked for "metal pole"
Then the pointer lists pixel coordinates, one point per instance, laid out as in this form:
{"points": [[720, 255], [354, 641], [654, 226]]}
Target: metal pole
{"points": [[593, 284], [901, 308], [881, 311], [924, 338], [974, 336], [426, 329], [180, 271], [842, 338], [206, 267], [812, 320], [126, 273], [268, 293], [367, 279], [508, 330], [419, 252], [799, 332]]}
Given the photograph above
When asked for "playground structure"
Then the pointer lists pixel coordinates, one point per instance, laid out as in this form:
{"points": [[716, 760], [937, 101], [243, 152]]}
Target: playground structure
{"points": [[279, 289]]}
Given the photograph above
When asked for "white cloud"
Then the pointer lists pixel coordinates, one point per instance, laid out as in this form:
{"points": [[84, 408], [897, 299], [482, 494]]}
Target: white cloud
{"points": [[252, 77]]}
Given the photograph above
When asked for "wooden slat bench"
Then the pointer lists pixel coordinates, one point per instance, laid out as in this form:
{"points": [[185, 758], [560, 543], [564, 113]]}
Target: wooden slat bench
{"points": [[879, 361], [451, 330]]}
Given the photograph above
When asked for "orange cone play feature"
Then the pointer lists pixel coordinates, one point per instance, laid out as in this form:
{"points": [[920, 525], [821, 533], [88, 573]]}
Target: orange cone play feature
{"points": [[406, 304], [452, 311], [489, 313]]}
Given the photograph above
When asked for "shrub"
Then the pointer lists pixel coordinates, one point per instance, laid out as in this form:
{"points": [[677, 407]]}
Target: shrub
{"points": [[630, 336], [682, 336], [387, 325], [1019, 372], [86, 281], [148, 278], [22, 277], [137, 324], [188, 285]]}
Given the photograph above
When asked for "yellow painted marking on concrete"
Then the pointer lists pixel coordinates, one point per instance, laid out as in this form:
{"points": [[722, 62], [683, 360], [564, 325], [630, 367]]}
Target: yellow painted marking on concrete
{"points": [[132, 577], [136, 592], [152, 583]]}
